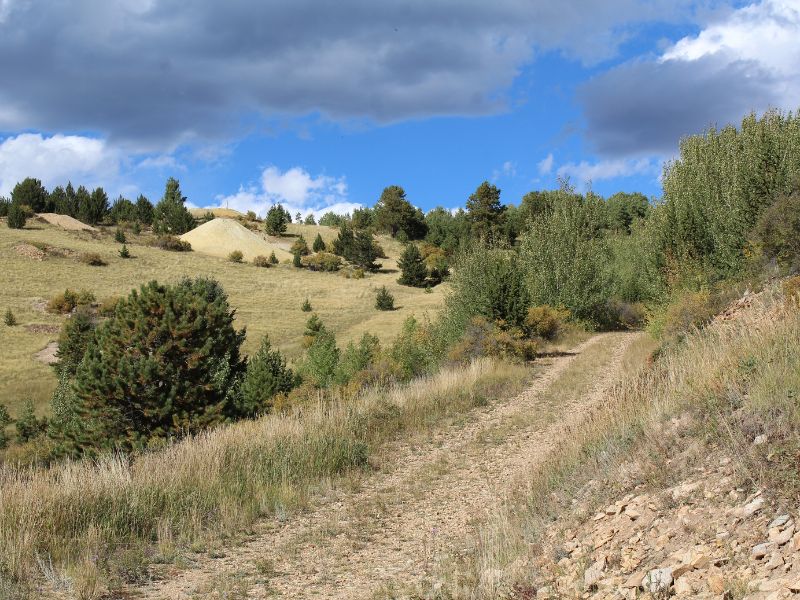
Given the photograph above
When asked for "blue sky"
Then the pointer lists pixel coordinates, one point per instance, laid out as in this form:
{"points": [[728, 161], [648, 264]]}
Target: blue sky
{"points": [[321, 105]]}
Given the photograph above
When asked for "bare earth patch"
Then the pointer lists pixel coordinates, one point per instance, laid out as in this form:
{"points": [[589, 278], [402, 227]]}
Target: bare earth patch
{"points": [[47, 355], [423, 507], [65, 222]]}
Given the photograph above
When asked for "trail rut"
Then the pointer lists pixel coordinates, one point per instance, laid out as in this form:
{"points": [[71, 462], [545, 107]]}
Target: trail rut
{"points": [[400, 522]]}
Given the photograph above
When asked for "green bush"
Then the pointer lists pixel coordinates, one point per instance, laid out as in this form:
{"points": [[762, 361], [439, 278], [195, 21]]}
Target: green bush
{"points": [[384, 300], [170, 216], [66, 302], [28, 425], [778, 231], [273, 259], [93, 259], [276, 220], [482, 338], [76, 333], [16, 216], [130, 395], [5, 421], [299, 246], [172, 243], [262, 261], [119, 236], [9, 319], [296, 261], [124, 252], [322, 261], [319, 244], [356, 358], [314, 327], [306, 307], [545, 321], [322, 359], [266, 376], [412, 267], [236, 256]]}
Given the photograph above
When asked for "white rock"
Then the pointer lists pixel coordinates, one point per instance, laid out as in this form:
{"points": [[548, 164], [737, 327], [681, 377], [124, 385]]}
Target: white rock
{"points": [[594, 573], [657, 580], [748, 510], [779, 521], [760, 440], [761, 550]]}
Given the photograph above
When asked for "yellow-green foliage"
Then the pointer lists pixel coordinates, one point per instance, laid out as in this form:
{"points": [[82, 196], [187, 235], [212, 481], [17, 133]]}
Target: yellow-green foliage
{"points": [[321, 261], [67, 301], [236, 256], [545, 321]]}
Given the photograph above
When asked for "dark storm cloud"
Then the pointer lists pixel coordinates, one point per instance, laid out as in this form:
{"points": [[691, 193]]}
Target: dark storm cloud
{"points": [[161, 72], [645, 107]]}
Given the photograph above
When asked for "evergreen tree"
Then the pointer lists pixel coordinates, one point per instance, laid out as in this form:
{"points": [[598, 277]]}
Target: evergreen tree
{"points": [[28, 425], [170, 215], [394, 214], [485, 212], [267, 375], [310, 219], [344, 243], [306, 306], [124, 252], [94, 210], [356, 358], [144, 210], [5, 421], [83, 201], [165, 364], [384, 300], [9, 319], [319, 244], [119, 236], [59, 201], [300, 246], [30, 192], [123, 210], [76, 333], [16, 216], [276, 221], [272, 258], [322, 359], [412, 267], [298, 218], [296, 261], [365, 251]]}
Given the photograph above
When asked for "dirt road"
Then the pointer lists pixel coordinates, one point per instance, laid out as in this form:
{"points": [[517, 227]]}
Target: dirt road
{"points": [[403, 519]]}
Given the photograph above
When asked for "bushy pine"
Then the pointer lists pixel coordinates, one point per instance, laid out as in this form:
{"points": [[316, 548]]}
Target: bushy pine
{"points": [[5, 421], [306, 306], [383, 299], [412, 267], [119, 236], [485, 212], [276, 220], [16, 216], [166, 364], [124, 252], [9, 319], [356, 357], [31, 192], [322, 359], [273, 260], [144, 210], [319, 244], [170, 215], [296, 261], [300, 246], [28, 425], [267, 376], [122, 211], [76, 333]]}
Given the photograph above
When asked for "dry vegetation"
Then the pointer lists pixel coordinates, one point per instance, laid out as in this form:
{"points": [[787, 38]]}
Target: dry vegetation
{"points": [[101, 523], [728, 384], [267, 300]]}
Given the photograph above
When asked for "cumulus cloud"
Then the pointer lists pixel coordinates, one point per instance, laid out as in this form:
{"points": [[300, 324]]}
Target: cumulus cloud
{"points": [[158, 73], [545, 166], [747, 60], [296, 190], [508, 169], [55, 160]]}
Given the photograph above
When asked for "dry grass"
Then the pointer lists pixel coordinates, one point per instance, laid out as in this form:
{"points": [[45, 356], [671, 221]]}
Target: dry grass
{"points": [[731, 381], [86, 518], [266, 300]]}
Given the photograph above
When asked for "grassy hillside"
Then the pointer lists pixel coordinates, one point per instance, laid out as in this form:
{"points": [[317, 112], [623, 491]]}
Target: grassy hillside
{"points": [[267, 300]]}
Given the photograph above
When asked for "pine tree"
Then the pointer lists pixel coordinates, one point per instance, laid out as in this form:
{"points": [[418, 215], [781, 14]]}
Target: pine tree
{"points": [[300, 246], [485, 212], [276, 220], [394, 214], [10, 320], [310, 219], [296, 261], [319, 244], [170, 215], [16, 216], [167, 363], [124, 252], [76, 333], [322, 359], [144, 210], [412, 267], [272, 258], [119, 236], [365, 251], [28, 425], [5, 421], [267, 375], [384, 300], [30, 192], [306, 306]]}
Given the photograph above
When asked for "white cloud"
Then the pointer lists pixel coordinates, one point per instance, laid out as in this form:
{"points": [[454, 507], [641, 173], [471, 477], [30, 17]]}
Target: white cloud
{"points": [[585, 171], [296, 190], [545, 165], [160, 162], [764, 34], [508, 169], [55, 160]]}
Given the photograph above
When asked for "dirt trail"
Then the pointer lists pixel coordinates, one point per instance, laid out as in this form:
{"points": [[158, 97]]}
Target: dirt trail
{"points": [[399, 523]]}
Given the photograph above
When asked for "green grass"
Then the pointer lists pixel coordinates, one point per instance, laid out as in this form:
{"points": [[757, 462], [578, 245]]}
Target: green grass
{"points": [[267, 301]]}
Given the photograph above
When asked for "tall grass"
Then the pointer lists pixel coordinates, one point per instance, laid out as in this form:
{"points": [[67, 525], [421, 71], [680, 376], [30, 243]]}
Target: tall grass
{"points": [[731, 381], [87, 517]]}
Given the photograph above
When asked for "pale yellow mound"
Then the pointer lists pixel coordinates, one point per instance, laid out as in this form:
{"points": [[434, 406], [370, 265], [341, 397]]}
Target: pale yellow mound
{"points": [[65, 222], [220, 237], [227, 213]]}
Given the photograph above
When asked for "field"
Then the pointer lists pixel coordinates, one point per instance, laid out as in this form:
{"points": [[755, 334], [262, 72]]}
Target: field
{"points": [[267, 301]]}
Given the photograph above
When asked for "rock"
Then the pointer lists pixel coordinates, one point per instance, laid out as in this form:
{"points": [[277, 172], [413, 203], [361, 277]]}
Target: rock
{"points": [[779, 521], [634, 581], [761, 550], [700, 561], [782, 537], [657, 580], [794, 586], [716, 584], [748, 510], [775, 561], [681, 569], [594, 573], [796, 541], [683, 587], [760, 440]]}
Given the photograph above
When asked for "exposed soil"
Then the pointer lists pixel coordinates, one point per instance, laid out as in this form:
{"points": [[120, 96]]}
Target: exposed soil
{"points": [[422, 508], [65, 222]]}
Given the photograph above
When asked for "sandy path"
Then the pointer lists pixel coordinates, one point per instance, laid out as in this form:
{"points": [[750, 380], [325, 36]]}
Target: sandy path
{"points": [[398, 524]]}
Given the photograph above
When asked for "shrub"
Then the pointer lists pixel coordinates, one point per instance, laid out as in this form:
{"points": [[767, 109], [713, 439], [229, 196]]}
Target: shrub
{"points": [[251, 216], [266, 376], [314, 327], [172, 243], [236, 256], [384, 300], [119, 236], [545, 321], [322, 261], [410, 351], [124, 252], [296, 261], [273, 259], [778, 231], [28, 425], [322, 359], [137, 228], [299, 246], [67, 302], [76, 333], [262, 261], [319, 244], [129, 395], [108, 306], [16, 216], [9, 318], [306, 307], [356, 358], [412, 267], [5, 204], [791, 289], [5, 421], [93, 259], [483, 338]]}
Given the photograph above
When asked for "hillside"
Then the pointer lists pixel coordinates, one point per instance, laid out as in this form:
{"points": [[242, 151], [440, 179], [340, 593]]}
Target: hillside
{"points": [[267, 301], [221, 236]]}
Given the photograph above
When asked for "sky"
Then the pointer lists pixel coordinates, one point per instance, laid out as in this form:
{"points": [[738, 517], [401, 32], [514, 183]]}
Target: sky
{"points": [[320, 105]]}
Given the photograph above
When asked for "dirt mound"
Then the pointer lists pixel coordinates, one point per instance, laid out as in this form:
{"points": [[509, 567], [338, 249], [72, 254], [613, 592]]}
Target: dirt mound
{"points": [[220, 237], [65, 222], [226, 213], [30, 251], [47, 355]]}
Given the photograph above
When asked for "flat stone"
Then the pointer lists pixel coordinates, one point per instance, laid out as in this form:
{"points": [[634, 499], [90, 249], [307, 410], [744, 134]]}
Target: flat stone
{"points": [[761, 550], [594, 573], [657, 580], [716, 584], [748, 510], [782, 537], [775, 561], [683, 587], [779, 521]]}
